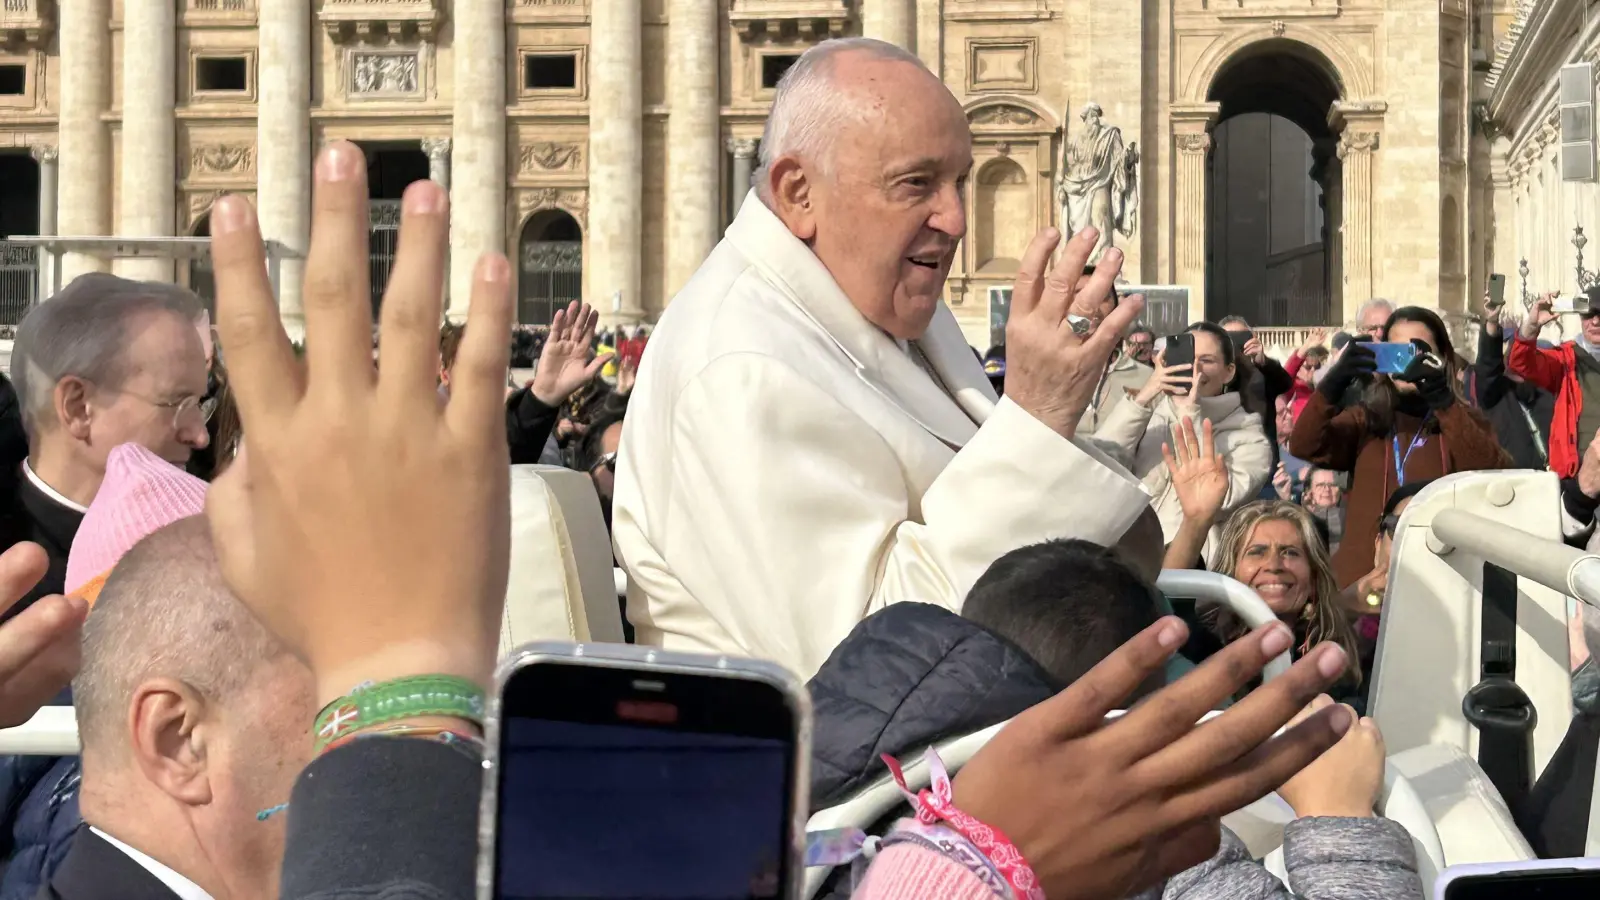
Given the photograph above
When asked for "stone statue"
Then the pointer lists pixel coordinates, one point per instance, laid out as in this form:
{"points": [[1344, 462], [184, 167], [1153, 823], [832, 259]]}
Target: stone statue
{"points": [[1099, 183]]}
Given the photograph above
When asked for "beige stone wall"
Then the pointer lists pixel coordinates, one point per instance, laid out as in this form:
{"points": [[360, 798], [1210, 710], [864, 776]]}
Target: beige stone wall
{"points": [[1023, 69]]}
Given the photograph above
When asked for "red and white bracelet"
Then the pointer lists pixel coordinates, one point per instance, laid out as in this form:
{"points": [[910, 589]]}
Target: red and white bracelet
{"points": [[935, 805]]}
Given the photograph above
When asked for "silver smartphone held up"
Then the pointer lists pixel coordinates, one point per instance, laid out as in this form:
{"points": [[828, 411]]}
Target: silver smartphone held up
{"points": [[628, 772]]}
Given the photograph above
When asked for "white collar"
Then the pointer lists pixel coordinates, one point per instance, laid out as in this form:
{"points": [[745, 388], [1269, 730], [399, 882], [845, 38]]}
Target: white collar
{"points": [[183, 887], [48, 491]]}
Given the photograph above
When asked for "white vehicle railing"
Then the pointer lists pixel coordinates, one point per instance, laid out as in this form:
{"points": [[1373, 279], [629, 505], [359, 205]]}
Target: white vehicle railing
{"points": [[1560, 568]]}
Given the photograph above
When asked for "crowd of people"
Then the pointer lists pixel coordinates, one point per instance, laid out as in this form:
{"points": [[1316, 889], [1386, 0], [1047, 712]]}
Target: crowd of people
{"points": [[214, 533]]}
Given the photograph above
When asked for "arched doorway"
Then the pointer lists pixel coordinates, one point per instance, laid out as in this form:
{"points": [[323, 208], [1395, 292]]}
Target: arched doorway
{"points": [[1003, 216], [550, 259], [391, 167], [201, 278], [19, 214], [1272, 231]]}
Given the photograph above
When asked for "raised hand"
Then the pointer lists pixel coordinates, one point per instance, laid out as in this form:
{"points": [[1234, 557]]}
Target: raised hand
{"points": [[1314, 338], [1254, 352], [568, 361], [1344, 781], [1541, 314], [1165, 379], [1199, 473], [1283, 483], [365, 524], [1051, 371], [627, 376], [39, 649], [1104, 810]]}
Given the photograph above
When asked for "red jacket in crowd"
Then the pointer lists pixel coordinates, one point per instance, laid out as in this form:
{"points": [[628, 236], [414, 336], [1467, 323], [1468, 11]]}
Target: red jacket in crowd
{"points": [[1556, 370]]}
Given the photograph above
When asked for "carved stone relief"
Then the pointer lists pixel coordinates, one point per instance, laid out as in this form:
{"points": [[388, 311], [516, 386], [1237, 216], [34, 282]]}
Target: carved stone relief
{"points": [[221, 159], [1193, 143], [1003, 115], [383, 73], [550, 156], [572, 200]]}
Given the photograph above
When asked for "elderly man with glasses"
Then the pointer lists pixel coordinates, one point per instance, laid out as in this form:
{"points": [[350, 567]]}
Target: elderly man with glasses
{"points": [[105, 362]]}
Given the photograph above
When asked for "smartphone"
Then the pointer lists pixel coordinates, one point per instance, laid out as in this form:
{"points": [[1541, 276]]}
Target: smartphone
{"points": [[1239, 339], [1537, 879], [629, 772], [1497, 291], [1565, 305], [1393, 358], [1180, 350]]}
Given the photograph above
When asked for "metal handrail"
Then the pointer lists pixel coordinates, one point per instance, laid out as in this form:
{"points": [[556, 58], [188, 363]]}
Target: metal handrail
{"points": [[1563, 569], [53, 731], [1243, 602]]}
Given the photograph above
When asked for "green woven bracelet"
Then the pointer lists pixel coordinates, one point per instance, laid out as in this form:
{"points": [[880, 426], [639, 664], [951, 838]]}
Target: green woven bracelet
{"points": [[419, 696]]}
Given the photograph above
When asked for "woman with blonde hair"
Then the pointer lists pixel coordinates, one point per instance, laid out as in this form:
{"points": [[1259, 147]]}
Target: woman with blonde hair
{"points": [[1274, 547]]}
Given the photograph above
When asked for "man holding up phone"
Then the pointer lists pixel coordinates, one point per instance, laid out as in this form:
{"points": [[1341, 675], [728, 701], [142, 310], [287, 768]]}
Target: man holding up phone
{"points": [[1571, 371]]}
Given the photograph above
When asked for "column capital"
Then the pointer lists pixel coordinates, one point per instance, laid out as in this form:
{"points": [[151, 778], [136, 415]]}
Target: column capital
{"points": [[44, 153], [1357, 115], [436, 149], [1193, 118], [1357, 142], [743, 148], [1196, 144]]}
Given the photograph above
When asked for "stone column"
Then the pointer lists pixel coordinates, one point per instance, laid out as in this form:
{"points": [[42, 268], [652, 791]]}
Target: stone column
{"points": [[85, 144], [894, 21], [46, 155], [438, 153], [693, 160], [478, 145], [283, 144], [1189, 219], [1355, 156], [744, 162], [616, 161], [147, 189]]}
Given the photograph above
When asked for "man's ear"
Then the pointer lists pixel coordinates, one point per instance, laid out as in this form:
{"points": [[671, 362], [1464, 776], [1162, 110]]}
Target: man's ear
{"points": [[71, 399], [792, 198], [168, 731]]}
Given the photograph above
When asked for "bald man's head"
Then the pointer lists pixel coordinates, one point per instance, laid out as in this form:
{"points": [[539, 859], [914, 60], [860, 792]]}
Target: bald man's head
{"points": [[193, 717], [164, 612]]}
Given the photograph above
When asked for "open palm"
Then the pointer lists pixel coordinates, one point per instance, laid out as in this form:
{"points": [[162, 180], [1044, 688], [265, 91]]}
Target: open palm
{"points": [[568, 362], [1199, 473]]}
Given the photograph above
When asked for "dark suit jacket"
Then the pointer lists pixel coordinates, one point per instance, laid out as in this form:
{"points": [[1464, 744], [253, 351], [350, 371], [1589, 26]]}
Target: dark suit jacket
{"points": [[95, 870]]}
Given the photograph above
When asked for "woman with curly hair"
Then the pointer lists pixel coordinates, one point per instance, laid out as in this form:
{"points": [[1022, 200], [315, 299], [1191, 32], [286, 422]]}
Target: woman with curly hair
{"points": [[1274, 547]]}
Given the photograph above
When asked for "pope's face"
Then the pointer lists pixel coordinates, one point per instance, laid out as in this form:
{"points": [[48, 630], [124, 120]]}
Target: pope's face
{"points": [[890, 211]]}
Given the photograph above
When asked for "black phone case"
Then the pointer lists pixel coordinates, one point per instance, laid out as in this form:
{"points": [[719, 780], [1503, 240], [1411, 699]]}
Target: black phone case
{"points": [[1180, 350]]}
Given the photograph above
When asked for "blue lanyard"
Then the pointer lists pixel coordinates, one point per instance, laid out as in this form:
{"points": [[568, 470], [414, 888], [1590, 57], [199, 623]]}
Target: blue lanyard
{"points": [[1417, 440]]}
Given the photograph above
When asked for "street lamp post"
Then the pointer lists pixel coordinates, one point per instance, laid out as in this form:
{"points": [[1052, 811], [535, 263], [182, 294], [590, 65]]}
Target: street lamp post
{"points": [[1522, 270], [1586, 278]]}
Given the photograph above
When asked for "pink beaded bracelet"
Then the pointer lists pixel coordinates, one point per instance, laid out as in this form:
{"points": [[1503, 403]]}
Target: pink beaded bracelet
{"points": [[935, 805]]}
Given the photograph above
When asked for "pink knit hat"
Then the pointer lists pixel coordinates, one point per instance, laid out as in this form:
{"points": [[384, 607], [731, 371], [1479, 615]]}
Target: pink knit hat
{"points": [[141, 493]]}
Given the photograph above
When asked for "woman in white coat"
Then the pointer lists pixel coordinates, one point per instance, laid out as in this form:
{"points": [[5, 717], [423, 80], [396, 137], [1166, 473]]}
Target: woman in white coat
{"points": [[1142, 425]]}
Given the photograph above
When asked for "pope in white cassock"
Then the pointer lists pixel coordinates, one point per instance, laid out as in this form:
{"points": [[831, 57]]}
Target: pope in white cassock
{"points": [[810, 438]]}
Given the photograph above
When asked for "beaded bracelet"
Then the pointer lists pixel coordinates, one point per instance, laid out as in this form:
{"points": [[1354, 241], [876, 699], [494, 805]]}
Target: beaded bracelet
{"points": [[420, 696], [935, 805]]}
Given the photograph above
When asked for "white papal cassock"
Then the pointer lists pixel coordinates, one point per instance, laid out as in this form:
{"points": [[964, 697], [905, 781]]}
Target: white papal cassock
{"points": [[786, 467]]}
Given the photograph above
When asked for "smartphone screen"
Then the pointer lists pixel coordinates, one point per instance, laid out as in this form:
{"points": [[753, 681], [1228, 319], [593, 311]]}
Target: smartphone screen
{"points": [[634, 783], [1553, 884], [1393, 358]]}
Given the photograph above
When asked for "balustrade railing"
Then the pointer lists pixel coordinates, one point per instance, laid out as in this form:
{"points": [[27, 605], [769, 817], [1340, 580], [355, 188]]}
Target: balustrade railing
{"points": [[19, 278]]}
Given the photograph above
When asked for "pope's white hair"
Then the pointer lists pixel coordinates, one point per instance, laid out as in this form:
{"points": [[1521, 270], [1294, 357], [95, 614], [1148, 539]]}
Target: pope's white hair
{"points": [[809, 109]]}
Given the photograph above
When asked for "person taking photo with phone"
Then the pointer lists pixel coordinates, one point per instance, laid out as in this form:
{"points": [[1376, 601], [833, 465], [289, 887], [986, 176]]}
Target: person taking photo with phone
{"points": [[1196, 392], [1571, 371], [1408, 426], [1520, 411]]}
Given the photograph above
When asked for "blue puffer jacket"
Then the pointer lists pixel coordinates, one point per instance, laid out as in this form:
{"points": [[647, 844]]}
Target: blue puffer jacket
{"points": [[39, 802]]}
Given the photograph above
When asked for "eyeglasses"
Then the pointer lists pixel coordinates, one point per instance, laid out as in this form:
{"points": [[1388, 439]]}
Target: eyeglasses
{"points": [[1388, 524], [187, 412]]}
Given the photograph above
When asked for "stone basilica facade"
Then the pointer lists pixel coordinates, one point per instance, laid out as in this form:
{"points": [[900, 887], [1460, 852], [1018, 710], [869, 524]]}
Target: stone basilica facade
{"points": [[1286, 159]]}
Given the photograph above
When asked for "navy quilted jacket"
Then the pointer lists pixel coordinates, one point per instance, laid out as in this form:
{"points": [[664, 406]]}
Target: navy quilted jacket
{"points": [[40, 803]]}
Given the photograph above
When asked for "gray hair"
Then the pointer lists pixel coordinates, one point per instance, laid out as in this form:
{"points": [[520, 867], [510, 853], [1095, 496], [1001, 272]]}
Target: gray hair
{"points": [[806, 111], [1225, 321], [164, 612], [83, 332], [1371, 305]]}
